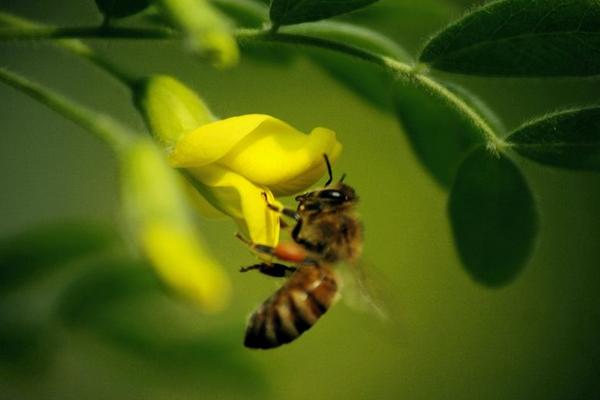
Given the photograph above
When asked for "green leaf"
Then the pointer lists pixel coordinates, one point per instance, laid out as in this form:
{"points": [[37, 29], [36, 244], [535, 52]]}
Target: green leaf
{"points": [[369, 81], [288, 12], [245, 13], [407, 21], [121, 302], [26, 256], [24, 346], [493, 216], [121, 8], [569, 139], [440, 134], [209, 357], [521, 38]]}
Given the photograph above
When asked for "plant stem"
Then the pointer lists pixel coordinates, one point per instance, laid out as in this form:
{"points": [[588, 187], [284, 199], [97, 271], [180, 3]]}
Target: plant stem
{"points": [[399, 69], [98, 32], [102, 126], [83, 50], [75, 46]]}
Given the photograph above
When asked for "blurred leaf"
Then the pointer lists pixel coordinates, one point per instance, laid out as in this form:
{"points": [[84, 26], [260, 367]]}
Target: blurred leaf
{"points": [[287, 12], [97, 301], [210, 357], [354, 35], [568, 139], [103, 286], [24, 346], [26, 256], [493, 217], [245, 13], [475, 102], [121, 8], [440, 135], [369, 81], [406, 21], [521, 38]]}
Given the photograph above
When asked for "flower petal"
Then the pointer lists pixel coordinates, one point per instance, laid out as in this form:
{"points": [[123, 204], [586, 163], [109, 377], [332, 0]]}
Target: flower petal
{"points": [[211, 141], [287, 162], [240, 199], [263, 149]]}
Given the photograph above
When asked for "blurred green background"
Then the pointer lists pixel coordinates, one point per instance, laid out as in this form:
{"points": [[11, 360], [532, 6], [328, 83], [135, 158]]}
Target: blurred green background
{"points": [[452, 338]]}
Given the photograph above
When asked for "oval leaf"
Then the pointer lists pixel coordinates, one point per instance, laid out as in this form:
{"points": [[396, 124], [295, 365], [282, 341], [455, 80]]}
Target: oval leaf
{"points": [[121, 8], [493, 216], [569, 139], [439, 134], [521, 38], [288, 12], [28, 255]]}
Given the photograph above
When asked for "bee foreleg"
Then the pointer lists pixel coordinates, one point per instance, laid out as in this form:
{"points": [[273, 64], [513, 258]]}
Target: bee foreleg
{"points": [[288, 212], [274, 269]]}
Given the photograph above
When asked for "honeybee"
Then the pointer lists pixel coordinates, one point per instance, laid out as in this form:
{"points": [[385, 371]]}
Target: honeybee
{"points": [[326, 231]]}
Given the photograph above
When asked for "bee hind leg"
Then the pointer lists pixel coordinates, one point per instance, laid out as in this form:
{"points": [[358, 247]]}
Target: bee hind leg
{"points": [[273, 269], [287, 251]]}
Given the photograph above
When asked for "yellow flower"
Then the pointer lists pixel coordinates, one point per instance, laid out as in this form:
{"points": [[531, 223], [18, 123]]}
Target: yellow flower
{"points": [[237, 159], [233, 161]]}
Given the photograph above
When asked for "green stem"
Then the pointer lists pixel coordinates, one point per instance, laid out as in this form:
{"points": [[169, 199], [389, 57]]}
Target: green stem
{"points": [[399, 69], [103, 126], [75, 46], [494, 142], [81, 49], [98, 32]]}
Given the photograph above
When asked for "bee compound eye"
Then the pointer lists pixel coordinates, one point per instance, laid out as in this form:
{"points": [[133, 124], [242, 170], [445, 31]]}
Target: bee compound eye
{"points": [[335, 195]]}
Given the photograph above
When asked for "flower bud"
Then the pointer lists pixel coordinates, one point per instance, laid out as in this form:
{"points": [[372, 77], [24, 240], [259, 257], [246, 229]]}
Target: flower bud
{"points": [[170, 108], [158, 217], [208, 32]]}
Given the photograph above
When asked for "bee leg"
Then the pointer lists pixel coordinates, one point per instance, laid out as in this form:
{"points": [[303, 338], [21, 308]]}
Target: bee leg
{"points": [[274, 269], [286, 251], [259, 248], [288, 212]]}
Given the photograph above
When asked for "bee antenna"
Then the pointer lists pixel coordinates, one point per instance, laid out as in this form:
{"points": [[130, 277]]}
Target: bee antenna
{"points": [[328, 170], [343, 177]]}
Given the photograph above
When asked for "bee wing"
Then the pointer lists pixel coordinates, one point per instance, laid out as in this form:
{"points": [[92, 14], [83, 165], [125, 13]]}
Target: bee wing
{"points": [[364, 289]]}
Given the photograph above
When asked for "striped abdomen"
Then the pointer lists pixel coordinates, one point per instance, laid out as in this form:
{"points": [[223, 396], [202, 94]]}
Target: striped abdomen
{"points": [[293, 309]]}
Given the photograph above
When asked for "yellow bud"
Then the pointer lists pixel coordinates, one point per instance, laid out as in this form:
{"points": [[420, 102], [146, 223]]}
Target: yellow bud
{"points": [[157, 212], [170, 108], [208, 32]]}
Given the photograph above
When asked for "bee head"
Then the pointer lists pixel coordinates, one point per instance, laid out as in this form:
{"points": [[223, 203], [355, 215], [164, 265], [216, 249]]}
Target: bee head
{"points": [[329, 197], [334, 196]]}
